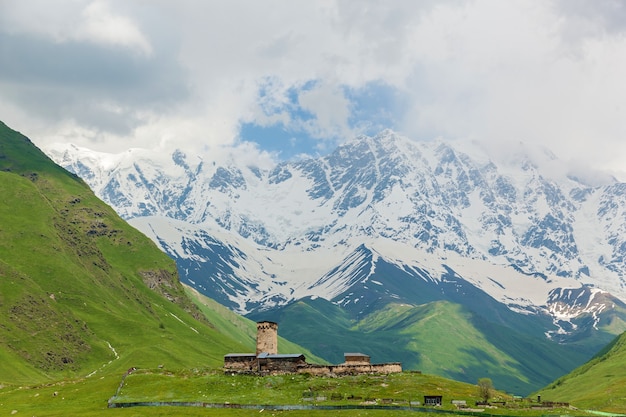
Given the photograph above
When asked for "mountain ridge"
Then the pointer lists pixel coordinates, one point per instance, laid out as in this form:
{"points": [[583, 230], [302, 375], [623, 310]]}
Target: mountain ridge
{"points": [[385, 220], [382, 188], [358, 183]]}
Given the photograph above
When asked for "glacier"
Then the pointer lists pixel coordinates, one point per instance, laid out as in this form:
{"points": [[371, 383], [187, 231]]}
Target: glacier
{"points": [[522, 227]]}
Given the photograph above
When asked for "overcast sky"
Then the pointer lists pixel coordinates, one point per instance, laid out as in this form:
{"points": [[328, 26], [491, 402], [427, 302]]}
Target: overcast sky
{"points": [[299, 76]]}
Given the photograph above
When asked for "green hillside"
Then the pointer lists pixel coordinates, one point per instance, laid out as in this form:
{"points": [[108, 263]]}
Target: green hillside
{"points": [[439, 338], [600, 384], [242, 329], [82, 292]]}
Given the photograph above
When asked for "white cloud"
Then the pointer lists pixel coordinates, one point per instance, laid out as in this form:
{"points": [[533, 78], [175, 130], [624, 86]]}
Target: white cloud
{"points": [[330, 109], [100, 25], [74, 20], [504, 71], [190, 72]]}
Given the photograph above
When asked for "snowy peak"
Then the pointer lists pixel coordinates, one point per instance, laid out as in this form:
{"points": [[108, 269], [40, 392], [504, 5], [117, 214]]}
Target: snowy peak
{"points": [[358, 266], [567, 303], [575, 310], [521, 211]]}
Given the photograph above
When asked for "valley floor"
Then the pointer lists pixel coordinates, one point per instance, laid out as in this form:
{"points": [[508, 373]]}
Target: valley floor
{"points": [[90, 396]]}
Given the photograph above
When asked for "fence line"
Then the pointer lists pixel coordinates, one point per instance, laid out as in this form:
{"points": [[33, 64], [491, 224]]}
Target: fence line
{"points": [[291, 407], [276, 407]]}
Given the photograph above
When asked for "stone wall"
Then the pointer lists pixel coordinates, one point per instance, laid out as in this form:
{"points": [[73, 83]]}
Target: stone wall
{"points": [[322, 370], [299, 365], [240, 363], [283, 365], [263, 365]]}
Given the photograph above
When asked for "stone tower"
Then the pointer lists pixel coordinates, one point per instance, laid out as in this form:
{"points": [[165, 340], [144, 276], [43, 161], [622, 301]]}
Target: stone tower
{"points": [[266, 337]]}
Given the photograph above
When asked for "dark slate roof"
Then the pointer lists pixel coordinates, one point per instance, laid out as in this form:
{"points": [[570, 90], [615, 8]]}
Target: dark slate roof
{"points": [[240, 355], [265, 355], [355, 354]]}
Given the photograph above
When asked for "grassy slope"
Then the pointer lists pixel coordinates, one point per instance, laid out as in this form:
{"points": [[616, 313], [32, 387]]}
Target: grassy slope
{"points": [[599, 384], [75, 278], [449, 352], [241, 328]]}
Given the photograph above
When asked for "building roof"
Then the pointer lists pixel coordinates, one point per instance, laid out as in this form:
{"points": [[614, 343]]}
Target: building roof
{"points": [[240, 355], [355, 354], [265, 355]]}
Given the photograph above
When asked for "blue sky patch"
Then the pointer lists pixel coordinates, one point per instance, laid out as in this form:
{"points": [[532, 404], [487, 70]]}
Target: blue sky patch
{"points": [[372, 109], [277, 138]]}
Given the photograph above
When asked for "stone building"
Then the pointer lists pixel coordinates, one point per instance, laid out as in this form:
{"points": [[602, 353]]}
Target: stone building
{"points": [[356, 359], [266, 337], [267, 360]]}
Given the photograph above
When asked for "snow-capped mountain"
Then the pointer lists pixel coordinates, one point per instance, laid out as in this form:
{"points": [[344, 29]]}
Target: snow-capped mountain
{"points": [[380, 219]]}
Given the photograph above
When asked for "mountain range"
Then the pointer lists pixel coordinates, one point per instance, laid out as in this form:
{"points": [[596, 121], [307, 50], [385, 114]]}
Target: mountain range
{"points": [[382, 235]]}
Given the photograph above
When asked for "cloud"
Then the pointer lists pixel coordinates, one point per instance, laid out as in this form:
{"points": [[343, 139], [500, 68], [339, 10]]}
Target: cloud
{"points": [[101, 26], [112, 74], [505, 72], [330, 110], [75, 21], [109, 90]]}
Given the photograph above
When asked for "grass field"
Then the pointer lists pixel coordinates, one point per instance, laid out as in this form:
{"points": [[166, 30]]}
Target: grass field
{"points": [[215, 387], [89, 396]]}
